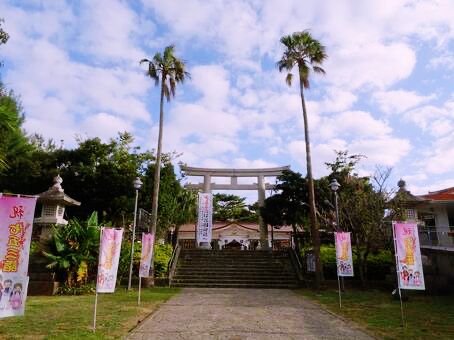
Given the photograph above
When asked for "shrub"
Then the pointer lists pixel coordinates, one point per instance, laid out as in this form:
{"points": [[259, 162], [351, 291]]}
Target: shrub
{"points": [[73, 250], [378, 263], [163, 253]]}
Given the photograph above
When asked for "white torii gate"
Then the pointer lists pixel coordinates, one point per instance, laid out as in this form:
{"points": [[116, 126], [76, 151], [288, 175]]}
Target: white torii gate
{"points": [[260, 186]]}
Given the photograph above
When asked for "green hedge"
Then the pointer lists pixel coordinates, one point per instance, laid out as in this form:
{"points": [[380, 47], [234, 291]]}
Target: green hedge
{"points": [[378, 263], [163, 253]]}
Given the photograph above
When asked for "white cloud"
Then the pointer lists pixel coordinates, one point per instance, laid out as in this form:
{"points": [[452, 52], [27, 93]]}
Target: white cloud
{"points": [[398, 101], [445, 61], [441, 159], [384, 151], [104, 126], [212, 81], [355, 124], [252, 164], [373, 65]]}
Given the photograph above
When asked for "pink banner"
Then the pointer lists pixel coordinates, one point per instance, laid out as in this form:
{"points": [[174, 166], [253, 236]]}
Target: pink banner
{"points": [[409, 262], [344, 258], [147, 253], [109, 256], [16, 221]]}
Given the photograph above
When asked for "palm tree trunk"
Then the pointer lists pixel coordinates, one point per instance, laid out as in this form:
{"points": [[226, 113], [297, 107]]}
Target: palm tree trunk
{"points": [[157, 173], [310, 186]]}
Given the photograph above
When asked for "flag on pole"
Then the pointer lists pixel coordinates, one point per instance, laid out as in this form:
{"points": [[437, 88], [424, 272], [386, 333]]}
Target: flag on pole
{"points": [[408, 255], [109, 256], [147, 253], [344, 259]]}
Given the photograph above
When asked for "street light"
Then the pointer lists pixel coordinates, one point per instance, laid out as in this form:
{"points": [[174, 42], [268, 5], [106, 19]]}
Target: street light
{"points": [[334, 185], [137, 185]]}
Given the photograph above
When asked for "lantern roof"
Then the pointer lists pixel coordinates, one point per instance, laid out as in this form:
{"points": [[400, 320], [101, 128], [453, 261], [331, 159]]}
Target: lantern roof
{"points": [[56, 194]]}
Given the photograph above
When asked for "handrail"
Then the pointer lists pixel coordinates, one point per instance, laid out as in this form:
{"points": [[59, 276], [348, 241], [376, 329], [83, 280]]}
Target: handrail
{"points": [[172, 262], [294, 255]]}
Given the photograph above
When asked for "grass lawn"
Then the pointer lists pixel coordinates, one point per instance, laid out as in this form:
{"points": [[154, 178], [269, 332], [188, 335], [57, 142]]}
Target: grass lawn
{"points": [[71, 317], [426, 317]]}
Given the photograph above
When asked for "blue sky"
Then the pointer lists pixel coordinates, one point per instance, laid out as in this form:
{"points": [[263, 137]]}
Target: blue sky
{"points": [[387, 93]]}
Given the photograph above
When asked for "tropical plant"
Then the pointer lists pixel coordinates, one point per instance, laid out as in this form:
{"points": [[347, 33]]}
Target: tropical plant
{"points": [[166, 70], [73, 250], [307, 54]]}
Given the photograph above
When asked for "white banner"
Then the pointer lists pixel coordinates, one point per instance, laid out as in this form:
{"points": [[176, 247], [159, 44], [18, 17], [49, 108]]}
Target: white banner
{"points": [[344, 259], [205, 217], [408, 255], [109, 256], [12, 294]]}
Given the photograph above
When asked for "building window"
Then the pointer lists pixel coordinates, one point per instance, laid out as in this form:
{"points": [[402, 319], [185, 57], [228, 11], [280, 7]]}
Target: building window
{"points": [[411, 214]]}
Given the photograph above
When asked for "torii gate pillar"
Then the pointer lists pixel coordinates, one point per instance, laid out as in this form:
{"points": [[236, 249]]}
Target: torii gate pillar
{"points": [[260, 186]]}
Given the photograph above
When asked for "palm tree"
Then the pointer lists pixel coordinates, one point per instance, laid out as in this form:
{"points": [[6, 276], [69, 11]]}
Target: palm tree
{"points": [[167, 70], [308, 54]]}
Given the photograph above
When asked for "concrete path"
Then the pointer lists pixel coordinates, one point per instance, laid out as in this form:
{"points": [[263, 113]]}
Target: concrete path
{"points": [[207, 313]]}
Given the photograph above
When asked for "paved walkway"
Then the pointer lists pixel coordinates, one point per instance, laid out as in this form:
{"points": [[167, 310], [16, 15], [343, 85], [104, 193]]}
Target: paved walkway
{"points": [[206, 313]]}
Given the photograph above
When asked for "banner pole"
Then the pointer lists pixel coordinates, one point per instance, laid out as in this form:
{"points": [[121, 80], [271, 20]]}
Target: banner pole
{"points": [[140, 288], [396, 255], [339, 289], [94, 316], [97, 273]]}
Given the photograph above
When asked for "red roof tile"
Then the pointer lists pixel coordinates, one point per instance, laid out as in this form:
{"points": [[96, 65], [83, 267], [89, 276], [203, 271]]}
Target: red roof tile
{"points": [[441, 195]]}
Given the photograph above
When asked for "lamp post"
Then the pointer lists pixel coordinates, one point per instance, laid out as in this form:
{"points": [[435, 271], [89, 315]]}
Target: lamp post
{"points": [[334, 186], [171, 229], [137, 185]]}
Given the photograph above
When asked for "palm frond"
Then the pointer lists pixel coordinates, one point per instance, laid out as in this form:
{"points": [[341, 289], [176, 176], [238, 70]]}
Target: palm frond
{"points": [[318, 69], [288, 79], [166, 92], [305, 51]]}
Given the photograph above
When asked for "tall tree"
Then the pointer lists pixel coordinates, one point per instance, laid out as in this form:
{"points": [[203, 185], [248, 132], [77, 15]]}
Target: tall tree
{"points": [[166, 70], [307, 54], [13, 142], [362, 203]]}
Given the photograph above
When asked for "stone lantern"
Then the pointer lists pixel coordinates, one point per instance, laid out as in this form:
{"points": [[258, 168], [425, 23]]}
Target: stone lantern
{"points": [[54, 202]]}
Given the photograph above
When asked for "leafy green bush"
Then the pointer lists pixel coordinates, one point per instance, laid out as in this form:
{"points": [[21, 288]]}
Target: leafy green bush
{"points": [[163, 253], [88, 288], [73, 250], [378, 263]]}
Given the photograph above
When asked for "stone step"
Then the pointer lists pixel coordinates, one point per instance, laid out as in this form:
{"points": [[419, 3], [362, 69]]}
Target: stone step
{"points": [[215, 271], [254, 269], [236, 285], [227, 277], [230, 267], [249, 281]]}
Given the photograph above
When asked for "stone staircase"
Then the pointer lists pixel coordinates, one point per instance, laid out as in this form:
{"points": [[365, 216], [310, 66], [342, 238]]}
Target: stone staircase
{"points": [[234, 268]]}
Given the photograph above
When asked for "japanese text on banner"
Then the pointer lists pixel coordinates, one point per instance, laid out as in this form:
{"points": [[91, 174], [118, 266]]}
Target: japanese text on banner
{"points": [[408, 257], [109, 256], [205, 217], [147, 253], [16, 221]]}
